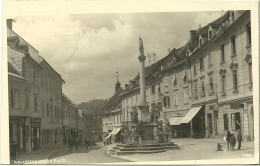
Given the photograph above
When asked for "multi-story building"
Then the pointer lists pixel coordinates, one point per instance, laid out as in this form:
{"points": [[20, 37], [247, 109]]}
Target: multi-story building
{"points": [[175, 91], [131, 94], [81, 126], [112, 116], [51, 106], [42, 95], [205, 87], [70, 112], [22, 99], [235, 97], [221, 75]]}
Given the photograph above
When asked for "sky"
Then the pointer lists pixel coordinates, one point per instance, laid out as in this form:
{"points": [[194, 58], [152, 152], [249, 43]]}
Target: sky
{"points": [[87, 50]]}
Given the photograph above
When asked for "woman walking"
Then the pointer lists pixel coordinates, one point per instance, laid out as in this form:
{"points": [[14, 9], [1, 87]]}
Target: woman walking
{"points": [[232, 142], [228, 136]]}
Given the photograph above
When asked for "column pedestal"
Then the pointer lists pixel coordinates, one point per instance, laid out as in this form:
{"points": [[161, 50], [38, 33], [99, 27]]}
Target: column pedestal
{"points": [[143, 113]]}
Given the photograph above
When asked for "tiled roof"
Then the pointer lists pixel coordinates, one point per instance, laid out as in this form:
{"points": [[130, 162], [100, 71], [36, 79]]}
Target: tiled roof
{"points": [[67, 100], [32, 51], [15, 58], [113, 99]]}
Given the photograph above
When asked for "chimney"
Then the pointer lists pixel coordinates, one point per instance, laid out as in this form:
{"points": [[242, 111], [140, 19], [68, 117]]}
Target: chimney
{"points": [[126, 86], [9, 23], [192, 35]]}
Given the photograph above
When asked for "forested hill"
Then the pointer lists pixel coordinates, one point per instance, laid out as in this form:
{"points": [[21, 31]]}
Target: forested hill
{"points": [[91, 107]]}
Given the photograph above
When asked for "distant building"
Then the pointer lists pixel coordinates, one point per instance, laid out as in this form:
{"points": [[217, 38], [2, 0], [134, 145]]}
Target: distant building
{"points": [[81, 126], [70, 112], [112, 117]]}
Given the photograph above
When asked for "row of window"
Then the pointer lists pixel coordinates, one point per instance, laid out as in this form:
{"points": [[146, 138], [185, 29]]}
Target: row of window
{"points": [[47, 108], [68, 115], [222, 50], [47, 136], [132, 100], [235, 121], [203, 89], [39, 80], [116, 119]]}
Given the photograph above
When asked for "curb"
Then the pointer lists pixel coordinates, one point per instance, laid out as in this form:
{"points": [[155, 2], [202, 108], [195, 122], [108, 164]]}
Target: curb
{"points": [[122, 158]]}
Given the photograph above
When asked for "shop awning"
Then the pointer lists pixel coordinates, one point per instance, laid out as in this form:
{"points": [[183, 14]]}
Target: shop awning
{"points": [[192, 112], [175, 120], [112, 133], [115, 131], [108, 136]]}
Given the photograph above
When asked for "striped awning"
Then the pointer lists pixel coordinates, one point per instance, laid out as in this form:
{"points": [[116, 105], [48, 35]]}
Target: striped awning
{"points": [[175, 120], [108, 136], [115, 131], [192, 112]]}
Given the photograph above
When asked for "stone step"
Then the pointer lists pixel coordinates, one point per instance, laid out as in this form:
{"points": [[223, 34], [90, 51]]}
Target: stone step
{"points": [[151, 151], [139, 151], [112, 152], [150, 145], [171, 147], [149, 148]]}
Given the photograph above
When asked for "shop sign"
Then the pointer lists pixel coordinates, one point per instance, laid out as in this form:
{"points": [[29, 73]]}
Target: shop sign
{"points": [[236, 105], [227, 106]]}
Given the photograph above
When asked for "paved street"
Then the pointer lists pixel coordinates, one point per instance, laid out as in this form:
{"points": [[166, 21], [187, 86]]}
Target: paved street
{"points": [[195, 149], [94, 154]]}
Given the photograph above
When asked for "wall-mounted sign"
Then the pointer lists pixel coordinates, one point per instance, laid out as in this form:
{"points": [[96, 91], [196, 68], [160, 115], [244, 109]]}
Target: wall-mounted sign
{"points": [[236, 105], [227, 106]]}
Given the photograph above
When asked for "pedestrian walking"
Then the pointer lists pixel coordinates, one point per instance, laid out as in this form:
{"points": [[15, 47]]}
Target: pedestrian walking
{"points": [[71, 144], [232, 142], [86, 143], [228, 136], [76, 142], [239, 138], [13, 150]]}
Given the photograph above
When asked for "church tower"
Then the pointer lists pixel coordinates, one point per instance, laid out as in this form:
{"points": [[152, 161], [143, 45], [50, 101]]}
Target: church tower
{"points": [[118, 84]]}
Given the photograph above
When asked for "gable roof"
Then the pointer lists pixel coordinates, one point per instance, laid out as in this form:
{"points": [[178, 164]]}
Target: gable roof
{"points": [[33, 53], [68, 101], [113, 99]]}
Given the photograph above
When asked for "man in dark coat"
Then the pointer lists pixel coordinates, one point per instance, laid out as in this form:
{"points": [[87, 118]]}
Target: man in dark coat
{"points": [[76, 143], [228, 138], [13, 150], [86, 143], [71, 142], [239, 138]]}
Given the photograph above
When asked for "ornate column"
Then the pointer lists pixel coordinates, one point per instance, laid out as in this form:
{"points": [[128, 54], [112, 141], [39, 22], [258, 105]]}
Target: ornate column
{"points": [[143, 108]]}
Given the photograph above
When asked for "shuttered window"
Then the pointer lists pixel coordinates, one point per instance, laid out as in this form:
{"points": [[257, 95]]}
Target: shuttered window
{"points": [[16, 97]]}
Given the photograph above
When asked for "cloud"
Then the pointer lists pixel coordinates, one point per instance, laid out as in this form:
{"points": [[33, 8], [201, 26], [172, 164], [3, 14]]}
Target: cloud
{"points": [[204, 18], [87, 50]]}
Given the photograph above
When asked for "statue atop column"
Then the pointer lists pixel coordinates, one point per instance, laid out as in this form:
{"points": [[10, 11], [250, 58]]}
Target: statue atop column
{"points": [[141, 47]]}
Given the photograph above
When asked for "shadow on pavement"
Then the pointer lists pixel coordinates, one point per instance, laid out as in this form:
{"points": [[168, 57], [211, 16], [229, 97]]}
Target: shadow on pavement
{"points": [[74, 151]]}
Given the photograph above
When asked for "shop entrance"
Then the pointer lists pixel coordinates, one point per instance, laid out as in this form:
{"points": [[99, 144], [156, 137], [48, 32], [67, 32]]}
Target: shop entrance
{"points": [[215, 122], [16, 136], [210, 129], [35, 134], [35, 138]]}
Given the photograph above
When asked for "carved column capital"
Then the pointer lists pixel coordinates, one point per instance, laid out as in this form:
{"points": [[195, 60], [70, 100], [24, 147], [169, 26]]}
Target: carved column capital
{"points": [[141, 58]]}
